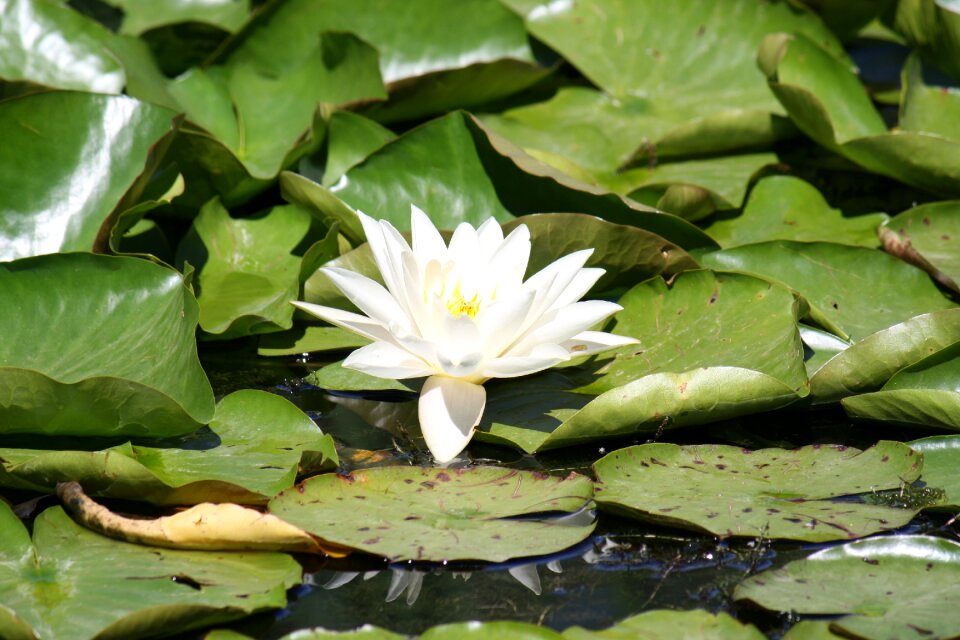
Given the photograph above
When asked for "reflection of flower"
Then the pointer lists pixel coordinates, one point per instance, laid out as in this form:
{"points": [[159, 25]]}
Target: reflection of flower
{"points": [[462, 314]]}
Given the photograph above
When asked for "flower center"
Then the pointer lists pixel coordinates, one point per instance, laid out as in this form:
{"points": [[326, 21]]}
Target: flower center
{"points": [[458, 305]]}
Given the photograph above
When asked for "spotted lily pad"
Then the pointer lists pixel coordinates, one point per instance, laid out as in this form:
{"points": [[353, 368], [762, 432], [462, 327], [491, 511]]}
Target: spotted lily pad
{"points": [[929, 237], [770, 493], [408, 513], [72, 584], [891, 587], [941, 459]]}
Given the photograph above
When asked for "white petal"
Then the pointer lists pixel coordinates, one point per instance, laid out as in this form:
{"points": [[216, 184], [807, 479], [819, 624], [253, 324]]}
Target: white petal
{"points": [[590, 342], [543, 357], [509, 262], [582, 282], [360, 325], [554, 279], [370, 297], [427, 242], [500, 322], [562, 324], [464, 243], [459, 345], [490, 236], [450, 410], [385, 360], [374, 230]]}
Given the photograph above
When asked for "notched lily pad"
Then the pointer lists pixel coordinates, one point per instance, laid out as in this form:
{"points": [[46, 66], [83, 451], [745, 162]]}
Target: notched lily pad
{"points": [[770, 493], [408, 513], [84, 585], [892, 587]]}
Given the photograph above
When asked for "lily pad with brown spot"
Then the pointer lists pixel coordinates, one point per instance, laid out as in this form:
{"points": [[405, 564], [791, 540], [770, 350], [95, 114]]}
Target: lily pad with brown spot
{"points": [[774, 493], [433, 514]]}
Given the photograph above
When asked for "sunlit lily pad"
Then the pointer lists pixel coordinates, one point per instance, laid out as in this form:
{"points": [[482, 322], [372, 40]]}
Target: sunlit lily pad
{"points": [[929, 237], [924, 394], [408, 513], [892, 587], [142, 15], [665, 624], [69, 159], [309, 339], [117, 354], [787, 208], [828, 103], [941, 459], [934, 29], [852, 291], [350, 139], [247, 271], [868, 364], [770, 493], [250, 452], [490, 631], [74, 584], [75, 57]]}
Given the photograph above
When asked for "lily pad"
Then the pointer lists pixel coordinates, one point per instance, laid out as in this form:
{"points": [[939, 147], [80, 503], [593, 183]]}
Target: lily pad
{"points": [[665, 624], [490, 630], [118, 355], [828, 103], [853, 291], [308, 340], [901, 586], [407, 513], [787, 208], [73, 54], [67, 161], [350, 139], [933, 28], [83, 585], [868, 364], [929, 237], [819, 347], [941, 458], [142, 15], [247, 271], [250, 452], [770, 493], [926, 394]]}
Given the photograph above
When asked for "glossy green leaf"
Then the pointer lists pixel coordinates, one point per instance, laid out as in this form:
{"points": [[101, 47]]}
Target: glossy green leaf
{"points": [[338, 378], [117, 354], [928, 109], [868, 364], [941, 458], [142, 15], [311, 339], [408, 513], [853, 291], [925, 394], [366, 632], [787, 208], [810, 630], [73, 54], [828, 103], [250, 451], [773, 493], [933, 28], [74, 584], [67, 161], [819, 347], [350, 139], [247, 273], [688, 52], [929, 237], [662, 624], [705, 319], [490, 631], [891, 587]]}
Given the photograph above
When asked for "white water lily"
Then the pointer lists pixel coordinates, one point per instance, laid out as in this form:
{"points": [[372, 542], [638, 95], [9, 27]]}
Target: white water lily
{"points": [[463, 314]]}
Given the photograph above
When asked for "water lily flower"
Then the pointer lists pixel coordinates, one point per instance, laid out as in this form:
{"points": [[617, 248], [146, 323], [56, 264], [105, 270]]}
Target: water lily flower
{"points": [[462, 314]]}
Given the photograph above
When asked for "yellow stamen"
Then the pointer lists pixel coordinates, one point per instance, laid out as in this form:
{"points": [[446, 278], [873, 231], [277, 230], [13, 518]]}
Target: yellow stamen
{"points": [[457, 305]]}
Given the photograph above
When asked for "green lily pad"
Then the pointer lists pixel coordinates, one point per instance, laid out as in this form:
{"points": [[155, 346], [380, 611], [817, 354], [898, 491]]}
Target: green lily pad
{"points": [[933, 28], [337, 378], [310, 339], [853, 291], [868, 364], [350, 139], [407, 513], [674, 625], [117, 354], [810, 630], [706, 319], [787, 208], [891, 587], [941, 458], [773, 493], [926, 394], [366, 632], [67, 161], [247, 271], [75, 57], [828, 103], [490, 630], [74, 584], [143, 15], [250, 452], [929, 237], [819, 347], [694, 56]]}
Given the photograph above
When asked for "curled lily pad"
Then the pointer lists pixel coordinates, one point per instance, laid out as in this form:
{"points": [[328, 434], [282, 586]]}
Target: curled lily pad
{"points": [[773, 493], [787, 208], [140, 16], [408, 513], [118, 354], [118, 589], [933, 28], [251, 450], [929, 237], [898, 586]]}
